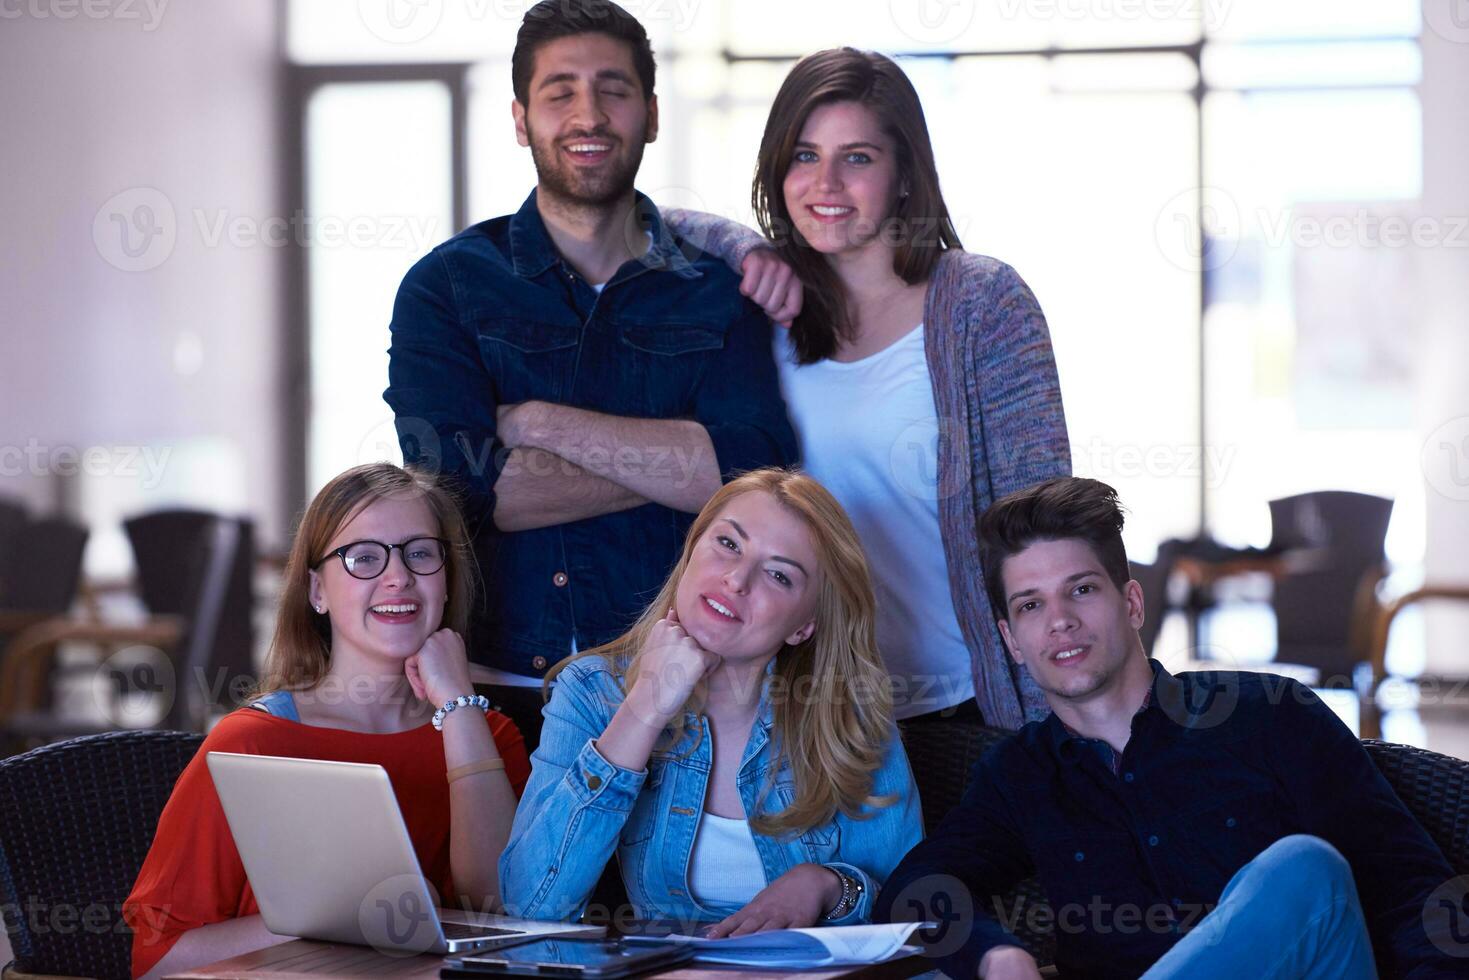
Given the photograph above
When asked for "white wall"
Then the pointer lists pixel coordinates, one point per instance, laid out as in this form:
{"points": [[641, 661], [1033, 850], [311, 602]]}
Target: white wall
{"points": [[114, 97], [1443, 409]]}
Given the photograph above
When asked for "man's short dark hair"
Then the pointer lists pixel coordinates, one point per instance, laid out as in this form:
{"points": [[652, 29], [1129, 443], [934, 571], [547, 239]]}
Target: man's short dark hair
{"points": [[1068, 507], [550, 20]]}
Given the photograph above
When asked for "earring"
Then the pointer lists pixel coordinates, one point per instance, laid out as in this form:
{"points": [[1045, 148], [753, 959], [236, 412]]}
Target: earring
{"points": [[317, 608]]}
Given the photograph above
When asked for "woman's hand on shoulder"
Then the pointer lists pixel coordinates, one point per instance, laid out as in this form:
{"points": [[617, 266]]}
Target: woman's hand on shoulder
{"points": [[439, 671], [796, 900], [671, 666], [772, 284]]}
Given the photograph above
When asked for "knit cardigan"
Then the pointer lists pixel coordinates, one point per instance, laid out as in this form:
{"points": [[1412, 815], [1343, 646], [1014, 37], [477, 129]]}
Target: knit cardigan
{"points": [[1001, 428]]}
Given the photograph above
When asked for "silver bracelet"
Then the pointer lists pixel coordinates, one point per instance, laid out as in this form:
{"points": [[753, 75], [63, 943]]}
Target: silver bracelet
{"points": [[851, 894], [462, 701]]}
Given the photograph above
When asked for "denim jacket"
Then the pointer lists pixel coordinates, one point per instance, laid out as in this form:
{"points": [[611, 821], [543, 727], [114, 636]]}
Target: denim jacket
{"points": [[495, 316], [578, 809]]}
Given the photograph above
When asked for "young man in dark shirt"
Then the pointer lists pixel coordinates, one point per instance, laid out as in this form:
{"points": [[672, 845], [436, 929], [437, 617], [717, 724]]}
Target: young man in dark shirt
{"points": [[1208, 824], [585, 376]]}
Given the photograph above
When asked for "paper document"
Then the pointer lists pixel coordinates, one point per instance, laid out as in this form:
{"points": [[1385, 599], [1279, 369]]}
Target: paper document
{"points": [[802, 948]]}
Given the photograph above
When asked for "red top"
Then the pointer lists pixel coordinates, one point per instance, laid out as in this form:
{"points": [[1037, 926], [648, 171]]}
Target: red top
{"points": [[193, 875]]}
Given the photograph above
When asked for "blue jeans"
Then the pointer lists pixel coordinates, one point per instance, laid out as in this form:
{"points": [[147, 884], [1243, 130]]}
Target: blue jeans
{"points": [[1292, 912]]}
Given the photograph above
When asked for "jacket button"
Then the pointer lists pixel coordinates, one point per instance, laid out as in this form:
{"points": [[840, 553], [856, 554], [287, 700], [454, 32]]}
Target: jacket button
{"points": [[594, 782], [538, 662], [559, 579]]}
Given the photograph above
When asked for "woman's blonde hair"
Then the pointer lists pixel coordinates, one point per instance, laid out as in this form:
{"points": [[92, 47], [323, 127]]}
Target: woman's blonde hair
{"points": [[830, 694], [301, 649]]}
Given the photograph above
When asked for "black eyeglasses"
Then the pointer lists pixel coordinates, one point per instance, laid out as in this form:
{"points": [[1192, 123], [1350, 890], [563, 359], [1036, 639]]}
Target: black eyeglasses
{"points": [[367, 559]]}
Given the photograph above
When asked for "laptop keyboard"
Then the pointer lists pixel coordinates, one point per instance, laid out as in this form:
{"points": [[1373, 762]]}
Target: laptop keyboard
{"points": [[463, 930]]}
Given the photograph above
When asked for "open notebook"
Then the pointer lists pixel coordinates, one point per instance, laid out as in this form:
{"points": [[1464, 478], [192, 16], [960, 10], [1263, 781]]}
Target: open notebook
{"points": [[802, 948]]}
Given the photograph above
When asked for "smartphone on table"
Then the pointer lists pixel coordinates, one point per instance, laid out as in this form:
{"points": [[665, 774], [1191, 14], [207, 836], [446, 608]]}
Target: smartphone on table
{"points": [[595, 959]]}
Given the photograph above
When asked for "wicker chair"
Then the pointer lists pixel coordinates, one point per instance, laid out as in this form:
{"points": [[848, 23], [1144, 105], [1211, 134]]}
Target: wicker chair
{"points": [[76, 820], [1434, 787]]}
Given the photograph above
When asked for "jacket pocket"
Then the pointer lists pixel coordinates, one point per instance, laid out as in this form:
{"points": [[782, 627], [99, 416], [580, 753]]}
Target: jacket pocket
{"points": [[670, 339], [528, 336]]}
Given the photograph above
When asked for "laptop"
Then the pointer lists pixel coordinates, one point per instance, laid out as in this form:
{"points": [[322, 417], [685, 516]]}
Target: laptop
{"points": [[328, 857]]}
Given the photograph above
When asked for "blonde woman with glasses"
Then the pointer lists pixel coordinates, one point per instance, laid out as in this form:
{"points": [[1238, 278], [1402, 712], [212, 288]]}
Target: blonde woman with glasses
{"points": [[736, 747]]}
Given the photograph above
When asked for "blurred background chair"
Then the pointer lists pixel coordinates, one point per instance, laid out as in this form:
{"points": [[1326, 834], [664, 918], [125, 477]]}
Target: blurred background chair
{"points": [[76, 821], [1318, 601], [1154, 581], [182, 662], [1375, 620], [40, 568]]}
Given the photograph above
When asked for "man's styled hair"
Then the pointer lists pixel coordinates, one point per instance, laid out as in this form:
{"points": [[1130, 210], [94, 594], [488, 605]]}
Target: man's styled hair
{"points": [[1056, 510], [550, 20]]}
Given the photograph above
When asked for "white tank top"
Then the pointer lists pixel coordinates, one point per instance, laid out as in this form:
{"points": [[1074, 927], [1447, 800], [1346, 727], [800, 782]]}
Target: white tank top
{"points": [[725, 870]]}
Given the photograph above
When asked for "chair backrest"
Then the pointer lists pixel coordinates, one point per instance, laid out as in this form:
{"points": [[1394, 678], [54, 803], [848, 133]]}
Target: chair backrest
{"points": [[41, 566], [1314, 607], [942, 755], [1343, 521], [1435, 788], [1154, 581], [12, 518], [199, 565], [76, 821]]}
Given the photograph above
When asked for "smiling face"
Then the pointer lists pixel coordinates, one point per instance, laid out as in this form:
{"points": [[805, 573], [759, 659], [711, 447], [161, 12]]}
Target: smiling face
{"points": [[587, 120], [843, 181], [1066, 621], [752, 581], [388, 617]]}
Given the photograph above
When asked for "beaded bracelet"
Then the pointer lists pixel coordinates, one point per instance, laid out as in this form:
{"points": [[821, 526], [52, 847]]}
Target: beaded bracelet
{"points": [[851, 893], [462, 701]]}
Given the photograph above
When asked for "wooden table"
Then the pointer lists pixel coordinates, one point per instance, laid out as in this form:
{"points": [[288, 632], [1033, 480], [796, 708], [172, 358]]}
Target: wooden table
{"points": [[307, 958]]}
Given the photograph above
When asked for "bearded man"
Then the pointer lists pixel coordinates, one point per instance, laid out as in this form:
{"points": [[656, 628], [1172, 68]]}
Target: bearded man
{"points": [[584, 376]]}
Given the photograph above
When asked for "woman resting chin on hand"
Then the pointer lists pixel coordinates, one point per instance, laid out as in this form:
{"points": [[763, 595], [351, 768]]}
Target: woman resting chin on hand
{"points": [[367, 646], [735, 748]]}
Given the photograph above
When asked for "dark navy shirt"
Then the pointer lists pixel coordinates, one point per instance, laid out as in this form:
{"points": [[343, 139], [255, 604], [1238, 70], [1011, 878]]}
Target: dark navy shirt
{"points": [[495, 316], [1219, 766]]}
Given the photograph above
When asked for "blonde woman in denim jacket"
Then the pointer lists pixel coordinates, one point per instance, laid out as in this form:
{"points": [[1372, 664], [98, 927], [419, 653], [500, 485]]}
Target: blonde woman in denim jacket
{"points": [[736, 747]]}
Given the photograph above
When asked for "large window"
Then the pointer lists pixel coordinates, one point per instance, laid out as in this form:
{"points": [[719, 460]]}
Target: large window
{"points": [[1170, 179]]}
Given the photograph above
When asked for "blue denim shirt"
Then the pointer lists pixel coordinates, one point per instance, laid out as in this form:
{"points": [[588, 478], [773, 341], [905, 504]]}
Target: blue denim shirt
{"points": [[578, 809], [495, 316]]}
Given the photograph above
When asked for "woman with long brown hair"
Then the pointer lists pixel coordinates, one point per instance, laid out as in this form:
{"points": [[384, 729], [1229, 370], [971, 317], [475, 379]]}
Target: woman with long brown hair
{"points": [[735, 748], [366, 661], [919, 377]]}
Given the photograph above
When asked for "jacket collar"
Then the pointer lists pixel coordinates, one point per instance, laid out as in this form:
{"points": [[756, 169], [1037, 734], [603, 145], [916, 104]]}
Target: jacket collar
{"points": [[532, 251]]}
